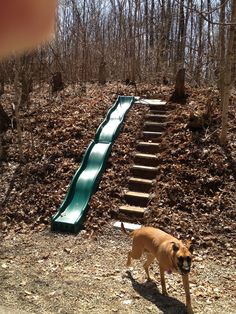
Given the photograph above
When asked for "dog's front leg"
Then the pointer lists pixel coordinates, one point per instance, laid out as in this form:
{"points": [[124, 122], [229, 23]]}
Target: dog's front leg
{"points": [[187, 294], [163, 283], [150, 259]]}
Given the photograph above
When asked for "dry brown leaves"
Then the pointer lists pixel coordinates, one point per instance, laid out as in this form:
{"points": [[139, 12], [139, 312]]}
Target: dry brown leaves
{"points": [[195, 191]]}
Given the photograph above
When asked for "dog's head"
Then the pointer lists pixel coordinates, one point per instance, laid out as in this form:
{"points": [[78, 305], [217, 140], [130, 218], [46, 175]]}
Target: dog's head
{"points": [[182, 253]]}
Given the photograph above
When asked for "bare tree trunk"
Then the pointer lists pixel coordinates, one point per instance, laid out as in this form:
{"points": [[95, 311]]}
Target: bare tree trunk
{"points": [[233, 68], [209, 36], [56, 82], [181, 37], [85, 46], [3, 152], [179, 92], [146, 14], [200, 48], [25, 79], [102, 72], [1, 148], [5, 121], [151, 37], [221, 67], [229, 61], [17, 106]]}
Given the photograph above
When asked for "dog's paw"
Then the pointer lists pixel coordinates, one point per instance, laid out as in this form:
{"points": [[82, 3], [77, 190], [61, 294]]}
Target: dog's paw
{"points": [[128, 264], [165, 293]]}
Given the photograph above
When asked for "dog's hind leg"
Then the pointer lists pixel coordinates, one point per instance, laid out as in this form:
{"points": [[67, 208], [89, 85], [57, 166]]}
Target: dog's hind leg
{"points": [[136, 253], [150, 259]]}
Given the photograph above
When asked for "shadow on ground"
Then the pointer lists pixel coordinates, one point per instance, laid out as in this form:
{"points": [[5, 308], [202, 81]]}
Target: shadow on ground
{"points": [[149, 291]]}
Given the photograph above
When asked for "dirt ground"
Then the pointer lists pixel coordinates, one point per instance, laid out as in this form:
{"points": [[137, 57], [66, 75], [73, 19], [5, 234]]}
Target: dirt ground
{"points": [[53, 273]]}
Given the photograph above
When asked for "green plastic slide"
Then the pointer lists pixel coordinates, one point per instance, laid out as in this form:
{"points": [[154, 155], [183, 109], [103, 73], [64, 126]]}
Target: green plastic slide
{"points": [[71, 214]]}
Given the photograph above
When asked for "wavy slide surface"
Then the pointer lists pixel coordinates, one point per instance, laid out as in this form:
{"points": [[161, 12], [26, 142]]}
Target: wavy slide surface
{"points": [[71, 214]]}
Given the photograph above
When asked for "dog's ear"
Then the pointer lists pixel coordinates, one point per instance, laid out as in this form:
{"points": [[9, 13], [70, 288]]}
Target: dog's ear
{"points": [[190, 246], [175, 246]]}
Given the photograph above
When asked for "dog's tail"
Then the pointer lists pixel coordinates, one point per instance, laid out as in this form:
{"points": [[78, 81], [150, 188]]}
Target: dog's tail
{"points": [[125, 231]]}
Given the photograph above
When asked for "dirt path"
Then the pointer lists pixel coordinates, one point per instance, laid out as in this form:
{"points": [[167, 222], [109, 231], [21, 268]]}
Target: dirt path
{"points": [[53, 273], [7, 310]]}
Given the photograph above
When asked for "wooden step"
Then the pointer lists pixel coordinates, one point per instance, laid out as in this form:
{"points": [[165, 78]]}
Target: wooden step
{"points": [[154, 126], [159, 112], [144, 172], [156, 117], [140, 185], [145, 159], [154, 104], [137, 198], [159, 106], [132, 210], [151, 135], [146, 101], [148, 147]]}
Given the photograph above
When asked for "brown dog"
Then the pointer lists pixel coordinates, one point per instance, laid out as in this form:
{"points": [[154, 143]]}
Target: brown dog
{"points": [[171, 253]]}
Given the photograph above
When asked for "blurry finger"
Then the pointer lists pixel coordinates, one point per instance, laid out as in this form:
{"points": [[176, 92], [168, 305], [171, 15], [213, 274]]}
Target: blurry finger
{"points": [[25, 23]]}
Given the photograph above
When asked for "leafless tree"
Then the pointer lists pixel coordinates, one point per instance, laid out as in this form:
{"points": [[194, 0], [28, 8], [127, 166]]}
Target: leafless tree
{"points": [[227, 76], [137, 40]]}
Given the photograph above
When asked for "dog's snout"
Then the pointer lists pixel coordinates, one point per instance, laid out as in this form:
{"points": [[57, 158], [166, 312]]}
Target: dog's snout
{"points": [[184, 265], [185, 270]]}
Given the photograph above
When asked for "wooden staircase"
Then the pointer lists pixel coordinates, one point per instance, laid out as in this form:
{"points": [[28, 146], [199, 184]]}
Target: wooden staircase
{"points": [[145, 167]]}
